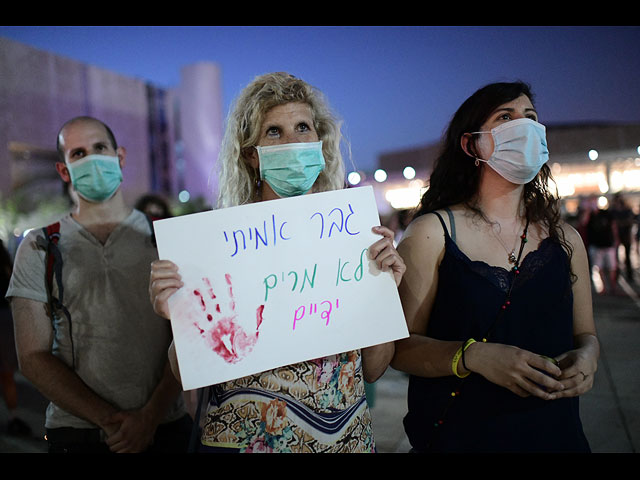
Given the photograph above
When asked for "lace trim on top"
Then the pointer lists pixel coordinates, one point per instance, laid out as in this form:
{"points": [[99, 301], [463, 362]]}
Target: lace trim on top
{"points": [[500, 276]]}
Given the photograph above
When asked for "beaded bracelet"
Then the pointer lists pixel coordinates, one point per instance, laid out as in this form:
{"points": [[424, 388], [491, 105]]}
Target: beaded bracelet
{"points": [[456, 358]]}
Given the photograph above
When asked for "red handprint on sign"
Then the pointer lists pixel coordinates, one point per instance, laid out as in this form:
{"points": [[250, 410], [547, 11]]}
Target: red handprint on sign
{"points": [[225, 336]]}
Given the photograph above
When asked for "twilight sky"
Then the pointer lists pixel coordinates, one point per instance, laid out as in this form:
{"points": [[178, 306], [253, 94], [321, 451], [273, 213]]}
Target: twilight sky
{"points": [[395, 87]]}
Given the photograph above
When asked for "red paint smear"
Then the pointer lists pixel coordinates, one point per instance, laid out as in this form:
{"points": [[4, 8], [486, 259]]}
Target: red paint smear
{"points": [[202, 304], [259, 311], [240, 343], [232, 303], [211, 294], [228, 279], [227, 338]]}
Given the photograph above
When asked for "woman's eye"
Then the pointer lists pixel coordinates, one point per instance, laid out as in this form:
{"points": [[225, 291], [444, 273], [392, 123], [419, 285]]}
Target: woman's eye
{"points": [[272, 132]]}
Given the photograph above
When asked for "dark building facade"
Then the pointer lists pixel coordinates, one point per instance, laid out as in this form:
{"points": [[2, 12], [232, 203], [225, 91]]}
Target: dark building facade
{"points": [[166, 153]]}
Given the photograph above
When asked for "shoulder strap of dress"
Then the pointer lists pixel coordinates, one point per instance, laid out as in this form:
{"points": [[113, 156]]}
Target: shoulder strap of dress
{"points": [[444, 225], [452, 223]]}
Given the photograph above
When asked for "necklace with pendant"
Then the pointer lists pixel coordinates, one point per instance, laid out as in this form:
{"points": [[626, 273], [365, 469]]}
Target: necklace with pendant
{"points": [[511, 255]]}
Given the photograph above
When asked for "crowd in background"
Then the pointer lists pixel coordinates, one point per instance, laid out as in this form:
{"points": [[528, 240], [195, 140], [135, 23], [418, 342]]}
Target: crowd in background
{"points": [[610, 232]]}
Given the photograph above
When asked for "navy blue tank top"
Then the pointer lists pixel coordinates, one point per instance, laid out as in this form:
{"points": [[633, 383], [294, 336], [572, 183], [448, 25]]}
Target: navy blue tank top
{"points": [[482, 416]]}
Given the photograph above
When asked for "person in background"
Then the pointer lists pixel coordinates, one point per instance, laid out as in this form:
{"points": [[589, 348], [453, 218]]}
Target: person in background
{"points": [[587, 206], [153, 205], [313, 406], [98, 353], [602, 232], [637, 222], [496, 292], [623, 216], [8, 359]]}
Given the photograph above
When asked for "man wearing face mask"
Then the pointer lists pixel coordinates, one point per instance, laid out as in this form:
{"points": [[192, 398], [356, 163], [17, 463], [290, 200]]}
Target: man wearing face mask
{"points": [[496, 293], [98, 352]]}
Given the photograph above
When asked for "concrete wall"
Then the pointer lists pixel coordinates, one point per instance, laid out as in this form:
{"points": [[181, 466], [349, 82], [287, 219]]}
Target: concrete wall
{"points": [[39, 91], [201, 127]]}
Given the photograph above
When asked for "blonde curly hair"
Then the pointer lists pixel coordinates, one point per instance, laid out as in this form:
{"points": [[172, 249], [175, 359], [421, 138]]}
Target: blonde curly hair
{"points": [[238, 180]]}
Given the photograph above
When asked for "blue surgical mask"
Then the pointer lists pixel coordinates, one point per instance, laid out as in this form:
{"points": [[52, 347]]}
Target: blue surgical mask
{"points": [[291, 169], [520, 150], [96, 177]]}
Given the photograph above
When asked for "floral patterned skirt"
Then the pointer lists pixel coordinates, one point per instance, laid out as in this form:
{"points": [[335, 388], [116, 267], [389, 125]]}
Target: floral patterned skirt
{"points": [[310, 407]]}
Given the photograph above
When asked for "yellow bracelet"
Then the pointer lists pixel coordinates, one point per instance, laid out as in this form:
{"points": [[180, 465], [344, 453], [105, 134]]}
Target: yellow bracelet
{"points": [[464, 349], [456, 358]]}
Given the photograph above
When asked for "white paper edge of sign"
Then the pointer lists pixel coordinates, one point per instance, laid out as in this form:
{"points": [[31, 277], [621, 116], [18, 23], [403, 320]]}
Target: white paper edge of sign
{"points": [[403, 333]]}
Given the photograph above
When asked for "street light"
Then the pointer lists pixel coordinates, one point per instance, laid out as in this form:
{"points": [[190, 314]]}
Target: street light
{"points": [[409, 173], [380, 175], [354, 178], [184, 196]]}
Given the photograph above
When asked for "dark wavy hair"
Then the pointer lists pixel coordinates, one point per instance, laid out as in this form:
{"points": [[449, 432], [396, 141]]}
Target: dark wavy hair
{"points": [[455, 177]]}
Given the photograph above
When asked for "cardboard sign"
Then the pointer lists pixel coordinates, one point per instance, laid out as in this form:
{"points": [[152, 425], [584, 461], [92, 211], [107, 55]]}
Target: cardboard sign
{"points": [[276, 283]]}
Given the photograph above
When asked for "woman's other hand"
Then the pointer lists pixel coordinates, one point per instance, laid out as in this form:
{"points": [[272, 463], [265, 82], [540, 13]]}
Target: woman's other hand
{"points": [[385, 255]]}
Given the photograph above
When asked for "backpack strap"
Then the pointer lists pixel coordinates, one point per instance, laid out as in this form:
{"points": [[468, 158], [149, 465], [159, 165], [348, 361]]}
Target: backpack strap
{"points": [[53, 258], [53, 265]]}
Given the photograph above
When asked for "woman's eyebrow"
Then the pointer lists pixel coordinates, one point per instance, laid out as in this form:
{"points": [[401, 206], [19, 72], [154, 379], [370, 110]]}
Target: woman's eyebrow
{"points": [[511, 110]]}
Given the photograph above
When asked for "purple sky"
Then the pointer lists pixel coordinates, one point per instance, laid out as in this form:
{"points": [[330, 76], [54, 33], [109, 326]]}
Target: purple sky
{"points": [[395, 87]]}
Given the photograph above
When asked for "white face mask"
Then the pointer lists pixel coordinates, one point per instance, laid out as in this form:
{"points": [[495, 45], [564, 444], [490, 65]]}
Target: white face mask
{"points": [[520, 150]]}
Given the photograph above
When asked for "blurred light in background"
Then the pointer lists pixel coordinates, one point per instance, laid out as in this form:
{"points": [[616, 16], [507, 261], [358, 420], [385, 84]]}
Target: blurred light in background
{"points": [[354, 178], [602, 202], [184, 196], [380, 175], [406, 197], [409, 173]]}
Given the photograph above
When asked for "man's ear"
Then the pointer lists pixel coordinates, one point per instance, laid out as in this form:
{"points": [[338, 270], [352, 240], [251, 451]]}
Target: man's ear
{"points": [[63, 171], [121, 152]]}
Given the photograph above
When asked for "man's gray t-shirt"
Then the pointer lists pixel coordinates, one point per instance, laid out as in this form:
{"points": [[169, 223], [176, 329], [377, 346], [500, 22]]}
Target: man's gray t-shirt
{"points": [[120, 344]]}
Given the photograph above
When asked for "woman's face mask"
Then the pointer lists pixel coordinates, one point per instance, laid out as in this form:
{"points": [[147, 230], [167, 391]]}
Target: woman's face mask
{"points": [[291, 169], [95, 177], [520, 150]]}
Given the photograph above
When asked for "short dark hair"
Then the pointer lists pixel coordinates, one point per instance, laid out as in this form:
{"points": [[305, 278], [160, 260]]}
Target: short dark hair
{"points": [[84, 118]]}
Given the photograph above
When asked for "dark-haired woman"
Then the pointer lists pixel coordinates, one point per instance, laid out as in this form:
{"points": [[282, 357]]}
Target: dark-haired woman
{"points": [[496, 292]]}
